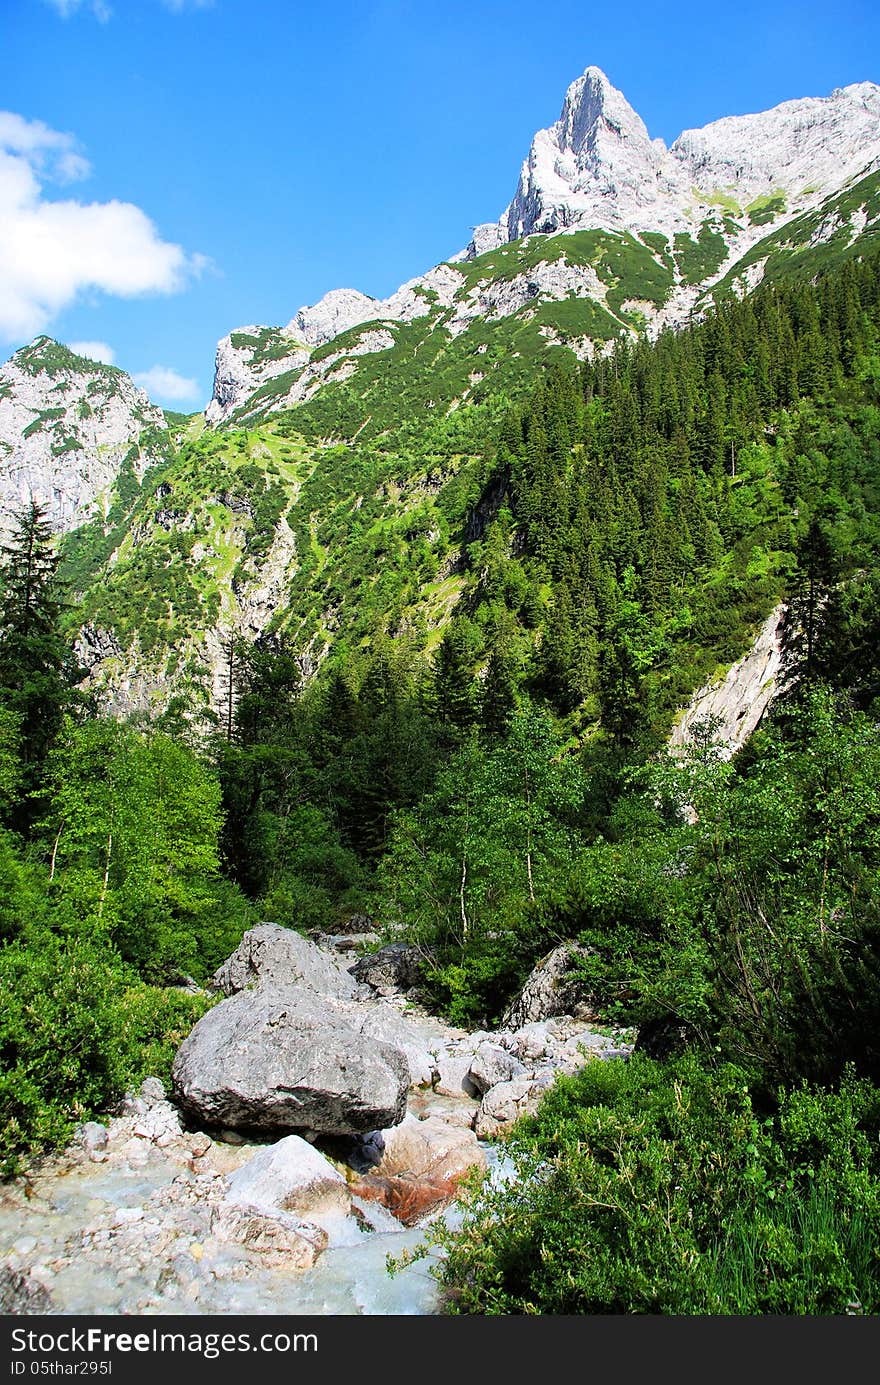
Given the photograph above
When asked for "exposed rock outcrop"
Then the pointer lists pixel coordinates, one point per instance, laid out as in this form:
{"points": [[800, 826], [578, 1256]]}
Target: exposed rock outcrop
{"points": [[67, 424], [550, 990], [596, 168], [733, 707], [391, 970]]}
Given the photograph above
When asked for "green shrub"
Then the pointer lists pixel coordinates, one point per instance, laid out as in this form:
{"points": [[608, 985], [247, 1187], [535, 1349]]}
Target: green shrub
{"points": [[643, 1188], [76, 1028]]}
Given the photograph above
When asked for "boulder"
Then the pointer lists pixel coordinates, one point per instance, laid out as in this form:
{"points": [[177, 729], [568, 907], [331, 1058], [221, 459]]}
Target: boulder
{"points": [[284, 1059], [550, 990], [426, 1149], [504, 1104], [408, 1198], [491, 1065], [290, 1176], [92, 1137], [415, 1168], [272, 956], [453, 1077], [533, 1041], [391, 970], [359, 923], [452, 1110], [381, 1022]]}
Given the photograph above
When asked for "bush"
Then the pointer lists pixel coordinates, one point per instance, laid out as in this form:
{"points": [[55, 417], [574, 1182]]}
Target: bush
{"points": [[643, 1188], [76, 1028]]}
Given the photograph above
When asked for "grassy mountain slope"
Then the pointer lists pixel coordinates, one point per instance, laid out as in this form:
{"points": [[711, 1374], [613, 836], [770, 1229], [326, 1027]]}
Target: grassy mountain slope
{"points": [[353, 512]]}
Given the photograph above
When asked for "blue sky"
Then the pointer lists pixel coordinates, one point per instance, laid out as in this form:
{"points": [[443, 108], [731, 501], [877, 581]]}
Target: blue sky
{"points": [[241, 157]]}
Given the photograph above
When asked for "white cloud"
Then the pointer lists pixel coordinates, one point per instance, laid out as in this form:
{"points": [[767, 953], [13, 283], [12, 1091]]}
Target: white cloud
{"points": [[160, 382], [93, 351], [51, 152], [99, 8], [52, 251], [102, 11]]}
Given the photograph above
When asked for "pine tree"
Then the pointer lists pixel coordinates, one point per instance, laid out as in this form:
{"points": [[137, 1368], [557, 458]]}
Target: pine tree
{"points": [[35, 663], [453, 678], [498, 701]]}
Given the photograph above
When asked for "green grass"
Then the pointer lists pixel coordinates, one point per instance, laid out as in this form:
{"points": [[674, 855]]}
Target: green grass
{"points": [[699, 259], [766, 209], [790, 251], [718, 198]]}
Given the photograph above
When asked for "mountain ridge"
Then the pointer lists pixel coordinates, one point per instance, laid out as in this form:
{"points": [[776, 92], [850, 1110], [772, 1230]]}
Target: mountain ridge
{"points": [[707, 199]]}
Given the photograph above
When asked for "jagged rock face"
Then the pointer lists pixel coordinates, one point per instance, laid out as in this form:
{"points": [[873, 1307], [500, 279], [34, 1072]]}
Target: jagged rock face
{"points": [[597, 165], [818, 141], [66, 427], [332, 314], [241, 365]]}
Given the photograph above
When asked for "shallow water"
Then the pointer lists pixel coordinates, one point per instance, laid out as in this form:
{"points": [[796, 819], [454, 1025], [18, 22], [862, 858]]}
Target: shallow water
{"points": [[193, 1273]]}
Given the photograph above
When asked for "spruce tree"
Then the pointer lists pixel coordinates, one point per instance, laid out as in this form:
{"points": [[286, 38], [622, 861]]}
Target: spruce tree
{"points": [[35, 663]]}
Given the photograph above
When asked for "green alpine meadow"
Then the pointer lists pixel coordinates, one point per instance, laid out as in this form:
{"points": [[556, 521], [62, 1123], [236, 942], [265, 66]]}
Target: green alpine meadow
{"points": [[440, 780]]}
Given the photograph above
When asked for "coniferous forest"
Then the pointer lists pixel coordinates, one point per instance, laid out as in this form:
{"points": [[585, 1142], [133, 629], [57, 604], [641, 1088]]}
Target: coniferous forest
{"points": [[623, 532]]}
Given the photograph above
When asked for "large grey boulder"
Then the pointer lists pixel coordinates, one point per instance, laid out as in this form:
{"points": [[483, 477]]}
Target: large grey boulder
{"points": [[379, 1021], [269, 955], [551, 989], [284, 1059]]}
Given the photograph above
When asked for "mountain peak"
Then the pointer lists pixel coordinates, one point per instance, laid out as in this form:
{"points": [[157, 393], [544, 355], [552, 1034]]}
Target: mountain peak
{"points": [[591, 102], [595, 163], [67, 426]]}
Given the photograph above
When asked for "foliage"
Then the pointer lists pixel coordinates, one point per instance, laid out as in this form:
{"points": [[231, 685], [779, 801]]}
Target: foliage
{"points": [[76, 1029], [466, 873], [35, 665], [133, 823], [743, 905], [640, 1188]]}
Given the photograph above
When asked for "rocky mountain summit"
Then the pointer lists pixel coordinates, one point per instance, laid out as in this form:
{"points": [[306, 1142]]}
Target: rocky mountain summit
{"points": [[597, 166], [68, 427], [602, 213]]}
